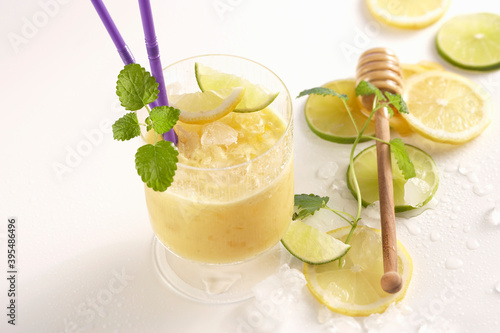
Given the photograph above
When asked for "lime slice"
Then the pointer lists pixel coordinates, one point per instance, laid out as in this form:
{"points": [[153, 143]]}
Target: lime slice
{"points": [[408, 14], [206, 106], [446, 107], [256, 96], [353, 288], [471, 41], [328, 118], [311, 245], [408, 194]]}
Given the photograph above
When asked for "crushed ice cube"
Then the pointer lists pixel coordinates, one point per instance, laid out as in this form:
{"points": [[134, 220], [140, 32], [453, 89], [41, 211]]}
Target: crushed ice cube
{"points": [[416, 191], [218, 133], [188, 141]]}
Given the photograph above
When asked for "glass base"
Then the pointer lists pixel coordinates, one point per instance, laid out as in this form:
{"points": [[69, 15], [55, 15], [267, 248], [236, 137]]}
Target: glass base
{"points": [[215, 283]]}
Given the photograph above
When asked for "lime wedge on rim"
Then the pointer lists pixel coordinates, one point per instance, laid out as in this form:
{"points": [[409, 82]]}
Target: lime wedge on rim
{"points": [[256, 96], [425, 182], [328, 118], [312, 246], [471, 41]]}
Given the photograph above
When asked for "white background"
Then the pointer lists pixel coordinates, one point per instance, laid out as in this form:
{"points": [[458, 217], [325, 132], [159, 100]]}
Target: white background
{"points": [[82, 219]]}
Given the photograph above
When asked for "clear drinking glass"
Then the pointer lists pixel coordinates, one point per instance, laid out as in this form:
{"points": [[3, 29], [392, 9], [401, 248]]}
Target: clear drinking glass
{"points": [[218, 228]]}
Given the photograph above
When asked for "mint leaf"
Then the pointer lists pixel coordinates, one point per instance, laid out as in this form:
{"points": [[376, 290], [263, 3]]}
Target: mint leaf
{"points": [[308, 204], [366, 88], [397, 101], [156, 164], [149, 124], [136, 87], [400, 153], [163, 118], [322, 91], [127, 127]]}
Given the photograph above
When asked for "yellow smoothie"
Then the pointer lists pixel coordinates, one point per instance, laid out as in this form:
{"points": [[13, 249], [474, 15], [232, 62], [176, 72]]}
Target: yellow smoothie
{"points": [[232, 195]]}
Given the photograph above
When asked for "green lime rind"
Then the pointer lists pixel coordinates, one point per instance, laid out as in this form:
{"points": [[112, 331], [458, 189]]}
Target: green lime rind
{"points": [[311, 245], [327, 117], [471, 41], [256, 97], [334, 138], [368, 179]]}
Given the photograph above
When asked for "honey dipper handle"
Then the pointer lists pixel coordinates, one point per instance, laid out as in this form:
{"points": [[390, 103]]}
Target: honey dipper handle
{"points": [[391, 281]]}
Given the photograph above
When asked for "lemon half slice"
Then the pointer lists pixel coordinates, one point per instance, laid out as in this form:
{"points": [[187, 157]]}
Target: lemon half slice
{"points": [[446, 107], [354, 289], [409, 14], [206, 106]]}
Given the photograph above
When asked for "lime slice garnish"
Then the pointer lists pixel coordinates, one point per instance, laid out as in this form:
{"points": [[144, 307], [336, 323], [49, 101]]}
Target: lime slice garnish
{"points": [[423, 186], [311, 245], [256, 96], [206, 106], [471, 41], [353, 288], [328, 118]]}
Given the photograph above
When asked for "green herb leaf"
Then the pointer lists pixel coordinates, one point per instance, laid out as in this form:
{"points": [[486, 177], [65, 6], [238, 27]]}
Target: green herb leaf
{"points": [[163, 118], [401, 154], [308, 204], [365, 88], [127, 127], [322, 91], [156, 164], [136, 87], [397, 101], [149, 124]]}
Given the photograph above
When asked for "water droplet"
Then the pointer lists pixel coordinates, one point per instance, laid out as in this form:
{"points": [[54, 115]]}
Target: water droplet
{"points": [[454, 263], [467, 228], [472, 244], [497, 286], [435, 236], [413, 228], [482, 190], [493, 216]]}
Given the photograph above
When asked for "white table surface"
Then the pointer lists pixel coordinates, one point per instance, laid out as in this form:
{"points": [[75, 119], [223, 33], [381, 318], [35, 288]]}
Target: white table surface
{"points": [[83, 230]]}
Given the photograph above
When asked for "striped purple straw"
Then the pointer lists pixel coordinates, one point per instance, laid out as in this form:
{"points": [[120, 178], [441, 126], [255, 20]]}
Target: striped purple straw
{"points": [[154, 59], [128, 58], [113, 32]]}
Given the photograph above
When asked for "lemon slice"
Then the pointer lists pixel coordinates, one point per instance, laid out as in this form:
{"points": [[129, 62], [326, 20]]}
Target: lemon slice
{"points": [[327, 116], [417, 193], [354, 289], [256, 97], [471, 41], [311, 245], [446, 107], [207, 106], [409, 14], [422, 66]]}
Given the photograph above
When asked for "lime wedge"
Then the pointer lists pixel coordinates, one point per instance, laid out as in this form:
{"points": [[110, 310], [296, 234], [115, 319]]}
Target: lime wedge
{"points": [[471, 41], [311, 245], [419, 189], [327, 116], [256, 96]]}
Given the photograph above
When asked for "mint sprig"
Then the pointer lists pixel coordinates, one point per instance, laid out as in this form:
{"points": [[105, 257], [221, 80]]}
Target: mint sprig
{"points": [[308, 204], [155, 163]]}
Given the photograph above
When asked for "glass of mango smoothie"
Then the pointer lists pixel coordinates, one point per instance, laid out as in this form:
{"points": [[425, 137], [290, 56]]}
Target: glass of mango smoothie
{"points": [[219, 224]]}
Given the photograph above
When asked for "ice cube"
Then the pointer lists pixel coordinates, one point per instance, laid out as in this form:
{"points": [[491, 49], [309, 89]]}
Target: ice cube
{"points": [[218, 133], [189, 141], [416, 191]]}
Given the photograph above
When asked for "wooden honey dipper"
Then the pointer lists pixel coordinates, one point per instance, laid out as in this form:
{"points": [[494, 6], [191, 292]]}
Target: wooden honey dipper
{"points": [[380, 67]]}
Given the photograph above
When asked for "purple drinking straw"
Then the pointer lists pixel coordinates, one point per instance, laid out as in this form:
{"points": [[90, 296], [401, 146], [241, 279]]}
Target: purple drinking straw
{"points": [[115, 35], [154, 59]]}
